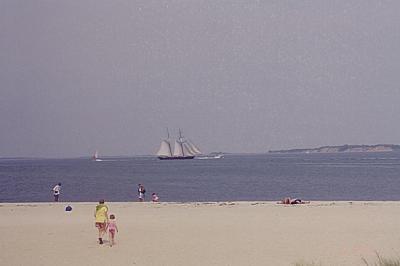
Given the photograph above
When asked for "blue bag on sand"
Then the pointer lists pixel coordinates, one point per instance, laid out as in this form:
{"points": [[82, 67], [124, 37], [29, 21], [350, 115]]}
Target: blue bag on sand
{"points": [[68, 208]]}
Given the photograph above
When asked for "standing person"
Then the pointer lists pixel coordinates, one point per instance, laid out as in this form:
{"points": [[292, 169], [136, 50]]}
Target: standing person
{"points": [[101, 219], [56, 191], [112, 227], [141, 192]]}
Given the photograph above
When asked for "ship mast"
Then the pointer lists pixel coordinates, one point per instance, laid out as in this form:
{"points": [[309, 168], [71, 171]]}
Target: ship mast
{"points": [[169, 144], [181, 142]]}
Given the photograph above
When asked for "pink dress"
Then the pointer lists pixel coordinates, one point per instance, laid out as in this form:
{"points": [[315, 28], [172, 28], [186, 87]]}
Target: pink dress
{"points": [[112, 226]]}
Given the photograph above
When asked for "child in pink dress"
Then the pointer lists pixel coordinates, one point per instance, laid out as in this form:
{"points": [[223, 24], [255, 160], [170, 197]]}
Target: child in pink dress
{"points": [[112, 227]]}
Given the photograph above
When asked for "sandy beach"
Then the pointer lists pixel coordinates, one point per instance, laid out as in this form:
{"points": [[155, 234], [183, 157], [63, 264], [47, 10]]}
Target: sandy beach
{"points": [[226, 233]]}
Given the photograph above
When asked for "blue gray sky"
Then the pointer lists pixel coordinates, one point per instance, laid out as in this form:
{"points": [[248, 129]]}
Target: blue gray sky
{"points": [[235, 76]]}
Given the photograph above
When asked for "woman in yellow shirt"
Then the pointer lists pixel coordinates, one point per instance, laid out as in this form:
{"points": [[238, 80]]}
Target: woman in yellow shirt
{"points": [[101, 219]]}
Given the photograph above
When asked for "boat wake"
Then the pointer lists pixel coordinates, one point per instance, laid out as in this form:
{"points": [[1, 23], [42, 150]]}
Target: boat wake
{"points": [[209, 157]]}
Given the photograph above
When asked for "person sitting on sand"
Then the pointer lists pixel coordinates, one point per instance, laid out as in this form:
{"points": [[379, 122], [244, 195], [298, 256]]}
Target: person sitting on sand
{"points": [[288, 200], [101, 219], [154, 197], [112, 227]]}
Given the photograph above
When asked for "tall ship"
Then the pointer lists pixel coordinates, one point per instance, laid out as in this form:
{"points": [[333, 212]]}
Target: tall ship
{"points": [[183, 149]]}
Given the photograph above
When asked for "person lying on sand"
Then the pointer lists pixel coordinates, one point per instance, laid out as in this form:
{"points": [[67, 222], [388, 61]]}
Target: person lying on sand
{"points": [[288, 200]]}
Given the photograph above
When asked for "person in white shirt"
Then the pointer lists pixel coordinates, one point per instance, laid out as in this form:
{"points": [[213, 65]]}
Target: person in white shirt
{"points": [[141, 192], [57, 191]]}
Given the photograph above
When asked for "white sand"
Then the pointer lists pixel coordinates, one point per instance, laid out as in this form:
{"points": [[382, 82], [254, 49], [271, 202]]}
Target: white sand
{"points": [[240, 233]]}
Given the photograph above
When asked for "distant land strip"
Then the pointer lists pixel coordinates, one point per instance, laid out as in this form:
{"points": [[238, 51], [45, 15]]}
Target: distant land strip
{"points": [[344, 148]]}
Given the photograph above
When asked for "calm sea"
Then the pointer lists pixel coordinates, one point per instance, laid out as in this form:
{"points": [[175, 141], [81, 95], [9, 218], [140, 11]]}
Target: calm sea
{"points": [[356, 176]]}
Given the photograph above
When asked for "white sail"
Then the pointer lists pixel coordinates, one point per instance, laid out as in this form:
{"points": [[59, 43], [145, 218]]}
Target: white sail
{"points": [[193, 147], [187, 149], [178, 151], [96, 158], [165, 149]]}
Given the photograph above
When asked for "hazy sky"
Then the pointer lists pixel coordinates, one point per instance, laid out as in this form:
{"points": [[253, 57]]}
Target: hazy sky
{"points": [[236, 76]]}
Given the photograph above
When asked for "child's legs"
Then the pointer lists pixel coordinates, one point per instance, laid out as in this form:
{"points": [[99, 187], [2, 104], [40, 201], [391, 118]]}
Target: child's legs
{"points": [[111, 234]]}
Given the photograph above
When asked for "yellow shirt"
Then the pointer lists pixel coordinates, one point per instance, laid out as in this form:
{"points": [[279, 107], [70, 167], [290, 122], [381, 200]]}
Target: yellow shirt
{"points": [[101, 213]]}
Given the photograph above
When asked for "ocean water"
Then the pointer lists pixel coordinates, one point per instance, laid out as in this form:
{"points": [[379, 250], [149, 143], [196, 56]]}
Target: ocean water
{"points": [[351, 176]]}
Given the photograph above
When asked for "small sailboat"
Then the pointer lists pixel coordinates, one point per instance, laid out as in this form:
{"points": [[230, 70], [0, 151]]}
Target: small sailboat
{"points": [[95, 157], [183, 149]]}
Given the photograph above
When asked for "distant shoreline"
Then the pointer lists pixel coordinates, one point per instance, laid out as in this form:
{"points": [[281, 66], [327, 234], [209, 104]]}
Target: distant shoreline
{"points": [[344, 149]]}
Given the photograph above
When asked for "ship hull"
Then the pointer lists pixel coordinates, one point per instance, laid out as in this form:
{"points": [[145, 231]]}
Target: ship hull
{"points": [[176, 158]]}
